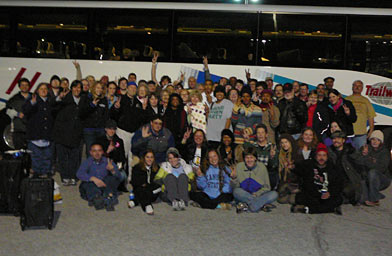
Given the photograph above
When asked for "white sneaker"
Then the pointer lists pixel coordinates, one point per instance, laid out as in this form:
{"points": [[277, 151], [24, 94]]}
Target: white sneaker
{"points": [[175, 205], [131, 204], [149, 210], [181, 205]]}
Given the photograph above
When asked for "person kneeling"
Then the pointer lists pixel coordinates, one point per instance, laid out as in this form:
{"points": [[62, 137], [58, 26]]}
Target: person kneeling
{"points": [[214, 182], [251, 184], [145, 189], [321, 186], [175, 176], [100, 178]]}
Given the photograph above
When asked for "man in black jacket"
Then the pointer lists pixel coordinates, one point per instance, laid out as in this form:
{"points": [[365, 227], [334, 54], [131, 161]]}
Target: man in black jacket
{"points": [[293, 113], [67, 133], [321, 186], [14, 111]]}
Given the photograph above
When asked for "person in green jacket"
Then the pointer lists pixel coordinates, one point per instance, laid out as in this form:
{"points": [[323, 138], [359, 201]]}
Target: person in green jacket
{"points": [[251, 186]]}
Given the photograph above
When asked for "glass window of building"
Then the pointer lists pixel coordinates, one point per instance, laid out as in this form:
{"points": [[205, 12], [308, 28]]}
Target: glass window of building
{"points": [[5, 39], [302, 40]]}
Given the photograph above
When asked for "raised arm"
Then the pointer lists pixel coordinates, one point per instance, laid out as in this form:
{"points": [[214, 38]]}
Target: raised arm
{"points": [[78, 70], [207, 75], [154, 68]]}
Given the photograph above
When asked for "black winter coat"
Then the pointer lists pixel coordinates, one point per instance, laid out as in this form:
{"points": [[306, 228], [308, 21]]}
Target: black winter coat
{"points": [[293, 116], [320, 121], [142, 177], [93, 116], [16, 103], [118, 154], [346, 120], [39, 118], [68, 127], [130, 116]]}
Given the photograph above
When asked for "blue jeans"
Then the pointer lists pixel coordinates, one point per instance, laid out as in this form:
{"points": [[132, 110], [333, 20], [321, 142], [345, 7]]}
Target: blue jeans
{"points": [[41, 158], [90, 135], [254, 203], [88, 190], [359, 140], [374, 183]]}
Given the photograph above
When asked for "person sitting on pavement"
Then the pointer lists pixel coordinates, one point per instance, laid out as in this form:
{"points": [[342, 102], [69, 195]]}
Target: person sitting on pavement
{"points": [[145, 189], [175, 176], [347, 161], [376, 158], [100, 178], [251, 186], [321, 186], [213, 179]]}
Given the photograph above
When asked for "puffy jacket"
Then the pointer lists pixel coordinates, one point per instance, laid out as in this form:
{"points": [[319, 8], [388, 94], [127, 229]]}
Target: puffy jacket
{"points": [[130, 116], [293, 116], [14, 107], [166, 169]]}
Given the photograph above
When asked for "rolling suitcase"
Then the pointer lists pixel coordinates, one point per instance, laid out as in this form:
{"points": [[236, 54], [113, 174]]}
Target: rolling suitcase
{"points": [[12, 171], [37, 202]]}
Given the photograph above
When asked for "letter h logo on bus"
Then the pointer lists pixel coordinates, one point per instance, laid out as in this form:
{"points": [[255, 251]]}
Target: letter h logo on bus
{"points": [[19, 76], [380, 92]]}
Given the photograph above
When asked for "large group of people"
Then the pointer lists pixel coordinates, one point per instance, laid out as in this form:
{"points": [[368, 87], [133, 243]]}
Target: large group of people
{"points": [[216, 144]]}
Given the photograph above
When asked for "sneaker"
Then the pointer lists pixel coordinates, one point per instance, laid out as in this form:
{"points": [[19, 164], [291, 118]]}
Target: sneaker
{"points": [[175, 205], [131, 204], [98, 202], [73, 182], [195, 204], [149, 210], [242, 207], [225, 206], [66, 182], [181, 205]]}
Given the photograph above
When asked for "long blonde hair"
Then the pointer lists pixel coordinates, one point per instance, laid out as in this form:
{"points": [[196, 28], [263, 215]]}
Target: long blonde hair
{"points": [[93, 88]]}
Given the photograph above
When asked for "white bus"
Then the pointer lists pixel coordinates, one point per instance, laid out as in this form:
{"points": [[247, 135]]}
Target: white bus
{"points": [[289, 43]]}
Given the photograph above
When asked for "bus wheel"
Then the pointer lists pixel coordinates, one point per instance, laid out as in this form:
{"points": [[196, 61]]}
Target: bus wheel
{"points": [[5, 132]]}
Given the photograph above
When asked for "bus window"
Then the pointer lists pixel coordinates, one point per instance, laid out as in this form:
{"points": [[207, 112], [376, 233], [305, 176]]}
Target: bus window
{"points": [[222, 37], [370, 48], [133, 34], [302, 40], [51, 33], [4, 34]]}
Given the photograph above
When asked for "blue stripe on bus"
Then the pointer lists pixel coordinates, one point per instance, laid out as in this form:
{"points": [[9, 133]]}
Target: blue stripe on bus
{"points": [[3, 100], [378, 108]]}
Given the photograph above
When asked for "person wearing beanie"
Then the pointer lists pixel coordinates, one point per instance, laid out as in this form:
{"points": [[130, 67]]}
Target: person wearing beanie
{"points": [[348, 162], [271, 114], [218, 117], [175, 176], [321, 185], [113, 147], [54, 86], [376, 157], [245, 117], [251, 187]]}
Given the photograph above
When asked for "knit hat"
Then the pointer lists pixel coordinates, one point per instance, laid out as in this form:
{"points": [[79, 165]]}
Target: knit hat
{"points": [[111, 124], [173, 151], [338, 134], [132, 83], [377, 134], [270, 92], [321, 148], [287, 87]]}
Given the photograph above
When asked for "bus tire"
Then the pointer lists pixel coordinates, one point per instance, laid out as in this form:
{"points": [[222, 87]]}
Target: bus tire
{"points": [[5, 121]]}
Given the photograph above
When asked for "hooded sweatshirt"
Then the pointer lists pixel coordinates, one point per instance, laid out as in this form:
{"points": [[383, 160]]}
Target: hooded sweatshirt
{"points": [[252, 180], [210, 182]]}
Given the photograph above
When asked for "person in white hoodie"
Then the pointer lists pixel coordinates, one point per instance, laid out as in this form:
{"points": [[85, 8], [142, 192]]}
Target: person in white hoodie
{"points": [[175, 176]]}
